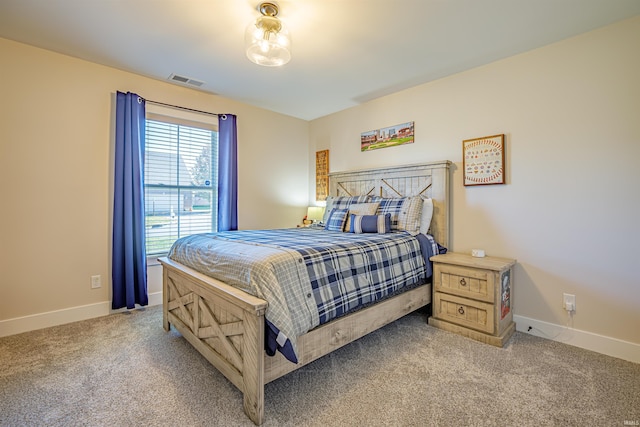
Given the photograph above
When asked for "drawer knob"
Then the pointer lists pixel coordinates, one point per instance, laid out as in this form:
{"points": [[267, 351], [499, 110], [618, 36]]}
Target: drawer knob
{"points": [[461, 310], [463, 282]]}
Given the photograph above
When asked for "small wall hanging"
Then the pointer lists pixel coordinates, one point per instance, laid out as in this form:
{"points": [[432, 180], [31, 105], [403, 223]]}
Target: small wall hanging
{"points": [[387, 137], [322, 175], [483, 160]]}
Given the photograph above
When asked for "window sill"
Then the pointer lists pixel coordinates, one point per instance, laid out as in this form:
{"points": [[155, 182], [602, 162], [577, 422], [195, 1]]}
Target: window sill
{"points": [[152, 260]]}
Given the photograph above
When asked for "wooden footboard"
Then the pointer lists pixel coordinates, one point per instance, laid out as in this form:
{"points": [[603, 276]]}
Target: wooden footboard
{"points": [[226, 326]]}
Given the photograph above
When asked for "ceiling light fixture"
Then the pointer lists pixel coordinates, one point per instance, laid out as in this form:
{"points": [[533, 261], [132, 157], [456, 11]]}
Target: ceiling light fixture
{"points": [[266, 40]]}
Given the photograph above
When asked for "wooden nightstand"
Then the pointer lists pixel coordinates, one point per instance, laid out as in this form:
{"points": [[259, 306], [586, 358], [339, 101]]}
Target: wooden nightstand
{"points": [[472, 297]]}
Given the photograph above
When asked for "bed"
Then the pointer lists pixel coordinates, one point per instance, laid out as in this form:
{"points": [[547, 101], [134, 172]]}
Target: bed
{"points": [[227, 325]]}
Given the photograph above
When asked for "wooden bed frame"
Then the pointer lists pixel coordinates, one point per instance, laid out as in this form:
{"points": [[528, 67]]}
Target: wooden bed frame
{"points": [[226, 325]]}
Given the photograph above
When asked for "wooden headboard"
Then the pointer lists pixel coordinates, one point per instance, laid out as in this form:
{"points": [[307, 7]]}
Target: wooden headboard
{"points": [[426, 179]]}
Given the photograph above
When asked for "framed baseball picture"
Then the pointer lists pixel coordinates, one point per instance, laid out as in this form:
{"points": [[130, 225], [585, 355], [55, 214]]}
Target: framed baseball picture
{"points": [[483, 160]]}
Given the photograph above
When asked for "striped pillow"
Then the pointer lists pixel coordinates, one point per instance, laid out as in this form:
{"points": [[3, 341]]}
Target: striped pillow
{"points": [[360, 209], [370, 224]]}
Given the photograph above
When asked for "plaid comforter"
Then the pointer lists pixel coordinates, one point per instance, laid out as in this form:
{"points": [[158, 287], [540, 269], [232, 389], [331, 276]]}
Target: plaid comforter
{"points": [[308, 276]]}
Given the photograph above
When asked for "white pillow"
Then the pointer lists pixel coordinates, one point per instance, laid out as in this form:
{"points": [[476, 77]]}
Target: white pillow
{"points": [[427, 214]]}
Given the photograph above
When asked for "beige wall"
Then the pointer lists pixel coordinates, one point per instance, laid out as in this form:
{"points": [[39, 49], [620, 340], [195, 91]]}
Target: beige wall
{"points": [[56, 116], [569, 212]]}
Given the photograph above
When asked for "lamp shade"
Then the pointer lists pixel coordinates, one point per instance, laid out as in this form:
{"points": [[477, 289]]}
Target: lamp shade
{"points": [[267, 41], [315, 213]]}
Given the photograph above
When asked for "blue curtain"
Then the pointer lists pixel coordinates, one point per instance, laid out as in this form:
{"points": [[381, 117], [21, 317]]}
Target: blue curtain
{"points": [[227, 173], [129, 267]]}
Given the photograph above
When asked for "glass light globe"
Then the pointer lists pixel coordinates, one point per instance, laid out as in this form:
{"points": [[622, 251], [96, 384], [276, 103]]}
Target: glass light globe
{"points": [[267, 42]]}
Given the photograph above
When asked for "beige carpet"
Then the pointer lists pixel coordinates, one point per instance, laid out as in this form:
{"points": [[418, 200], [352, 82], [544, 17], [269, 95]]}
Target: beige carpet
{"points": [[125, 370]]}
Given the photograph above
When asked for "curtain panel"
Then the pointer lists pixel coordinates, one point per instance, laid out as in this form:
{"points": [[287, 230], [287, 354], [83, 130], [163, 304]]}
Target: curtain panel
{"points": [[129, 267], [227, 173]]}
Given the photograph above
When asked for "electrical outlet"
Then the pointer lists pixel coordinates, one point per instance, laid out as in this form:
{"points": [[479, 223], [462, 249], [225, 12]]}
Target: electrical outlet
{"points": [[96, 282], [569, 302]]}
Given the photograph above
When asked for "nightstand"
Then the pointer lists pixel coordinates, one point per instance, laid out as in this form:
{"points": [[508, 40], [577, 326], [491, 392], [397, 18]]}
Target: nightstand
{"points": [[472, 297]]}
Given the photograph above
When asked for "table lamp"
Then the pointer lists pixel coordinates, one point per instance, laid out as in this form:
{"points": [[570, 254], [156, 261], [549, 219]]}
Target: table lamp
{"points": [[315, 213]]}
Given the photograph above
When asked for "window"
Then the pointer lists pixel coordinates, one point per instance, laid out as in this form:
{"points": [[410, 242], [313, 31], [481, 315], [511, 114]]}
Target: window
{"points": [[180, 174]]}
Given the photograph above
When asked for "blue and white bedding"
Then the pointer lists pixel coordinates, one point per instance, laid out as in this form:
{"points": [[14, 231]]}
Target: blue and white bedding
{"points": [[308, 276]]}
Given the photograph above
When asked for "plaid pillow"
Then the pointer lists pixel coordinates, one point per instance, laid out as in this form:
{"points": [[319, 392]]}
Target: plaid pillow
{"points": [[370, 224], [336, 220], [409, 218], [341, 202], [405, 212], [391, 206]]}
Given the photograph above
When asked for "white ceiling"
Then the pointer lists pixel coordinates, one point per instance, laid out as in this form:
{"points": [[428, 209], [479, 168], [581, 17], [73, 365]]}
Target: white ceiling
{"points": [[345, 52]]}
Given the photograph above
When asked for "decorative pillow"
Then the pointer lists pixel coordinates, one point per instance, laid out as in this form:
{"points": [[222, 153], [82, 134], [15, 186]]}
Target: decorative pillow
{"points": [[427, 215], [409, 217], [392, 206], [405, 212], [341, 202], [360, 209], [336, 220], [370, 224]]}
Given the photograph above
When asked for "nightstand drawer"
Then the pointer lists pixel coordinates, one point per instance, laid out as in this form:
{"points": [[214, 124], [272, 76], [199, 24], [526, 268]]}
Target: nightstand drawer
{"points": [[464, 312], [466, 282]]}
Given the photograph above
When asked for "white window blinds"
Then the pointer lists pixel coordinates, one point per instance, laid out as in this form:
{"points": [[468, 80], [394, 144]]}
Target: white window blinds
{"points": [[180, 174]]}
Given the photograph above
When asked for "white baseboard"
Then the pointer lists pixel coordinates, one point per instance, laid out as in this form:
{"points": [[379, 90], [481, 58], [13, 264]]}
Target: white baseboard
{"points": [[599, 343], [33, 322], [589, 341]]}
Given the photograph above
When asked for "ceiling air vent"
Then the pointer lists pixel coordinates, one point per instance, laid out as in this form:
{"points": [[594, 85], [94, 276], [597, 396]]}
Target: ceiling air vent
{"points": [[185, 80]]}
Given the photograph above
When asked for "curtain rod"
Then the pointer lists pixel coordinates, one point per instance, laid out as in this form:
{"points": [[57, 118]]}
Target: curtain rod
{"points": [[180, 108]]}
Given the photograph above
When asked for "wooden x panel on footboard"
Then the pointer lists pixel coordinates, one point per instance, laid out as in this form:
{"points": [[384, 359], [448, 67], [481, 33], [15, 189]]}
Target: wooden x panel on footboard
{"points": [[224, 324]]}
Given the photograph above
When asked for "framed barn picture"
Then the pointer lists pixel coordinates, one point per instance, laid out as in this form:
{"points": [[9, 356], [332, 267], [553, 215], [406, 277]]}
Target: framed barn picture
{"points": [[391, 136], [483, 160]]}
